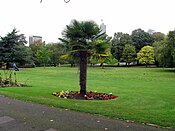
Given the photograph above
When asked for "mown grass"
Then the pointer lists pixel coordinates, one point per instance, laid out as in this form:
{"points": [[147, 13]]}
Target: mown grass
{"points": [[145, 95]]}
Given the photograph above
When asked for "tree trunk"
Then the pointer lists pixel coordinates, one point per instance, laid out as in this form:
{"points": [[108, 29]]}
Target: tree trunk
{"points": [[118, 64], [126, 64], [83, 71], [7, 67]]}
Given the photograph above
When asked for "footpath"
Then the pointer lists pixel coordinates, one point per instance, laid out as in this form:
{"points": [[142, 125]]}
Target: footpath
{"points": [[18, 115]]}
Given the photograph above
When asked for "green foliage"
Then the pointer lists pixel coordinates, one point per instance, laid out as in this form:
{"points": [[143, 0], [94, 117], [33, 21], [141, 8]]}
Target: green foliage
{"points": [[43, 56], [146, 55], [12, 48], [171, 46], [80, 37], [160, 52], [164, 50], [68, 55], [158, 36], [100, 51], [111, 60], [7, 78], [24, 55], [56, 51], [100, 46], [141, 38], [94, 59], [35, 46], [129, 53], [118, 43]]}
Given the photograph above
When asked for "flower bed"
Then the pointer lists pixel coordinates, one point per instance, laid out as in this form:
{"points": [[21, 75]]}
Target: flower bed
{"points": [[88, 96]]}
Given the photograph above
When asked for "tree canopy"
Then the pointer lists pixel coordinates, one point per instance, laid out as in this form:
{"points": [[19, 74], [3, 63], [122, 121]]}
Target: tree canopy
{"points": [[129, 53], [146, 55], [165, 50], [81, 36], [141, 38], [118, 44], [12, 49]]}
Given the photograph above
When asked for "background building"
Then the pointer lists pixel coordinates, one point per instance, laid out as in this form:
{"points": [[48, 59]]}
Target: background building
{"points": [[32, 39], [103, 27]]}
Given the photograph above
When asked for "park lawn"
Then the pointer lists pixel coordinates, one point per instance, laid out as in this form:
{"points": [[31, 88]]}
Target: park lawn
{"points": [[145, 95]]}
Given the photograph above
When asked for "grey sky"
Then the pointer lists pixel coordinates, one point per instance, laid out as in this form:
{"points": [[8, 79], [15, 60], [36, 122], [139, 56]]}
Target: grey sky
{"points": [[50, 18]]}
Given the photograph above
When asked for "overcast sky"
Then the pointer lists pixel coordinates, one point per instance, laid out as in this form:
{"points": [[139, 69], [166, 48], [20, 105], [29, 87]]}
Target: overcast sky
{"points": [[49, 18]]}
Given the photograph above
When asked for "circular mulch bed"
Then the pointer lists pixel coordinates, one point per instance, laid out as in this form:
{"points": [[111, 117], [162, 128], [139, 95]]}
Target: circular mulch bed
{"points": [[88, 96]]}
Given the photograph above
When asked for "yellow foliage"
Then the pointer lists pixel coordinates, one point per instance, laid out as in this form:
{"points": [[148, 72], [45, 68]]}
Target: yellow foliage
{"points": [[64, 57], [100, 60], [104, 54]]}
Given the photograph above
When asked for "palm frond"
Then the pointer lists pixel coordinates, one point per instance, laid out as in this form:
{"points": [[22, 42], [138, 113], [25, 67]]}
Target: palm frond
{"points": [[63, 40]]}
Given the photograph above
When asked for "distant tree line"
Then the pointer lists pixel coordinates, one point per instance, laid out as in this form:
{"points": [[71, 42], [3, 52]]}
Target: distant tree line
{"points": [[140, 47]]}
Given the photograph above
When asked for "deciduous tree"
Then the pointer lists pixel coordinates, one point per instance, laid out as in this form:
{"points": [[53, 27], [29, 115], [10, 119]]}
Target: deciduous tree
{"points": [[129, 54], [158, 36], [141, 38], [146, 55], [43, 56], [118, 43]]}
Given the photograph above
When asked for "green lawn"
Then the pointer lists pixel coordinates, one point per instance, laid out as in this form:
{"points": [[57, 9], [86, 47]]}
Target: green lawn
{"points": [[145, 95]]}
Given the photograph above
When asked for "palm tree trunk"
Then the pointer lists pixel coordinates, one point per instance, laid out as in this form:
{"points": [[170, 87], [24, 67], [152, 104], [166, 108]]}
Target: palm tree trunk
{"points": [[83, 71]]}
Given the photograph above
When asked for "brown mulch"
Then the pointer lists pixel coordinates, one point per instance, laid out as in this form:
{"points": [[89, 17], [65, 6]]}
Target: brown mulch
{"points": [[88, 96]]}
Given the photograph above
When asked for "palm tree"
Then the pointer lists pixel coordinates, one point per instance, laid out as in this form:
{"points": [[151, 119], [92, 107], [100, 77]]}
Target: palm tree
{"points": [[80, 36]]}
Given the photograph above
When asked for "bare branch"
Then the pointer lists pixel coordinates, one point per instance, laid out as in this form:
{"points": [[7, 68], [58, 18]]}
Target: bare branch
{"points": [[66, 1]]}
